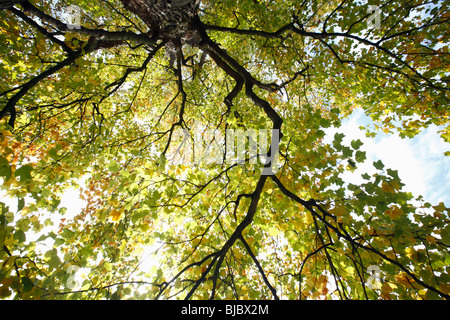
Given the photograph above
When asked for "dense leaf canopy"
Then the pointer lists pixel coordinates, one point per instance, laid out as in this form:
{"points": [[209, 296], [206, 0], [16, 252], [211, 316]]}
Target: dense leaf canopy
{"points": [[116, 98]]}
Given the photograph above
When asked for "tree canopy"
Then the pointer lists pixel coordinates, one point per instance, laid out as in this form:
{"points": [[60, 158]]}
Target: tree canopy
{"points": [[132, 102]]}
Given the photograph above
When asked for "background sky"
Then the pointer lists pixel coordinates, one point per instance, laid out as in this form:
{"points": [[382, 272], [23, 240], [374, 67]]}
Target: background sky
{"points": [[420, 161]]}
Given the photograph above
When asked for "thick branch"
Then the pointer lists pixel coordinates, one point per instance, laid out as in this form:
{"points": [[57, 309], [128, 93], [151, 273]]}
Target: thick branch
{"points": [[42, 30], [98, 33], [231, 72], [235, 236], [7, 4], [270, 35], [240, 228], [10, 106], [181, 91]]}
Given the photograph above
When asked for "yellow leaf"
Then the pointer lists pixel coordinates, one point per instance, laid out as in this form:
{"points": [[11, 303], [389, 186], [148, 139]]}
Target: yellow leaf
{"points": [[123, 246], [115, 214], [274, 232], [350, 270], [403, 279], [394, 213], [307, 218], [409, 252], [237, 254], [6, 133], [387, 187], [25, 211], [250, 240], [395, 184]]}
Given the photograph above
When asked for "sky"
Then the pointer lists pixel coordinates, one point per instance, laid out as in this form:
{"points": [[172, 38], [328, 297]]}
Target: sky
{"points": [[420, 161]]}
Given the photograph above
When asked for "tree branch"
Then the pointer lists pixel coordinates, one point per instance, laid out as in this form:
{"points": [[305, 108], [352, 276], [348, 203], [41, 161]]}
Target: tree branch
{"points": [[10, 106], [311, 204], [321, 35], [98, 33], [42, 30], [260, 269]]}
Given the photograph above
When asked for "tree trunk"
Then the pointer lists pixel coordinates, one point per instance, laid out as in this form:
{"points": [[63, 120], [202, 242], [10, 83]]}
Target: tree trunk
{"points": [[170, 19]]}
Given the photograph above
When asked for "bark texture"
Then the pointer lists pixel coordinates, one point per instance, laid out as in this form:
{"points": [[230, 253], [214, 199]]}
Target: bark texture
{"points": [[170, 19]]}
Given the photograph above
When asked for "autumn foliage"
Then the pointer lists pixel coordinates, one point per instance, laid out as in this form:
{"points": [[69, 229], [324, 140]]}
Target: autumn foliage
{"points": [[109, 108]]}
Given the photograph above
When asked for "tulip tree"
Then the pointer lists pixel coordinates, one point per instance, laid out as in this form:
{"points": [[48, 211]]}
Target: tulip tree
{"points": [[121, 100]]}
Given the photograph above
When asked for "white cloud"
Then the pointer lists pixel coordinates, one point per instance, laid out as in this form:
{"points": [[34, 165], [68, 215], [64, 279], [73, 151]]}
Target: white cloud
{"points": [[398, 154]]}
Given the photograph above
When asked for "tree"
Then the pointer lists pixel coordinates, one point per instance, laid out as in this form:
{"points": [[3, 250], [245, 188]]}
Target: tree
{"points": [[112, 105]]}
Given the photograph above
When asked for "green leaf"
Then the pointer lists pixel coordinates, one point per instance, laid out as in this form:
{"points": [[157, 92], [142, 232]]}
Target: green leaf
{"points": [[116, 295], [5, 169], [113, 166], [347, 152], [67, 234], [52, 259], [59, 242], [356, 144], [365, 176], [24, 172], [27, 284], [338, 137], [19, 235], [393, 173], [20, 204], [53, 153], [360, 156], [378, 164]]}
